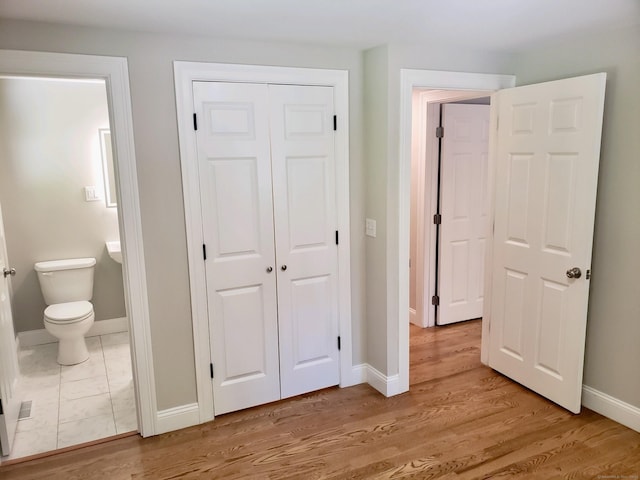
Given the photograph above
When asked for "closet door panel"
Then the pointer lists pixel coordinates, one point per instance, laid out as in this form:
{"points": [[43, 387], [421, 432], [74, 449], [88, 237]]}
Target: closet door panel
{"points": [[303, 169], [237, 210]]}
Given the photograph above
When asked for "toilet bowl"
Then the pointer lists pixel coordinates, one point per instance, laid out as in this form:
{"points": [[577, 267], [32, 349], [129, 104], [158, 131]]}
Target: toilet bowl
{"points": [[69, 322], [67, 287]]}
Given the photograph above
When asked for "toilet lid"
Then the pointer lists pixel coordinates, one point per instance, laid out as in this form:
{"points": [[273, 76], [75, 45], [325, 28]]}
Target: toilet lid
{"points": [[68, 312]]}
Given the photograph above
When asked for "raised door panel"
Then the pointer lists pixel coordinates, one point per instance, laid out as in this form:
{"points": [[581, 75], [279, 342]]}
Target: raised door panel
{"points": [[237, 210], [546, 175], [303, 160]]}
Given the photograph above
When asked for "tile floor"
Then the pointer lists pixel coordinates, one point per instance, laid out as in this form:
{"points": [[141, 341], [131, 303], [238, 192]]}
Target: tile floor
{"points": [[78, 403]]}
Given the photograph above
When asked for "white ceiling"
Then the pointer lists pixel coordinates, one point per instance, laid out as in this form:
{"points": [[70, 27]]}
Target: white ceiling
{"points": [[502, 25]]}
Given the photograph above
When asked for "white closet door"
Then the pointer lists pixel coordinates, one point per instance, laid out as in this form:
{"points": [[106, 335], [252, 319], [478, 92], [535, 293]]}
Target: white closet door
{"points": [[237, 211], [303, 159], [548, 152], [465, 222]]}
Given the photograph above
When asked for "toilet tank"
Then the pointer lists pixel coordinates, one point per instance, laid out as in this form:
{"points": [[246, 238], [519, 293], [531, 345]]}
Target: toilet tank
{"points": [[64, 281]]}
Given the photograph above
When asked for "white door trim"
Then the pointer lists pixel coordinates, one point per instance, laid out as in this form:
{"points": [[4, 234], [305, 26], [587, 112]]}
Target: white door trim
{"points": [[185, 74], [115, 72], [437, 80]]}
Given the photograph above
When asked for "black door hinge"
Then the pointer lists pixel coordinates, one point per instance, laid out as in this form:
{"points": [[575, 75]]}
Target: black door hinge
{"points": [[335, 123], [211, 369], [336, 237], [204, 251], [439, 132], [435, 300], [339, 343], [437, 219], [195, 122]]}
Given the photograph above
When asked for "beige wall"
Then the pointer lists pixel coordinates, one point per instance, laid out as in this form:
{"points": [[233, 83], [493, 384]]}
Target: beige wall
{"points": [[613, 325], [150, 60], [49, 151]]}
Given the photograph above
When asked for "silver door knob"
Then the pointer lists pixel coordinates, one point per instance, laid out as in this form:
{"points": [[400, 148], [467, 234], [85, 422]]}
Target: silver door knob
{"points": [[269, 269], [283, 268], [8, 271], [574, 273]]}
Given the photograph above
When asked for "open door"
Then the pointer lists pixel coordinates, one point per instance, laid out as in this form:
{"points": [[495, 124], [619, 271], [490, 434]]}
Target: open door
{"points": [[465, 219], [546, 170], [9, 373]]}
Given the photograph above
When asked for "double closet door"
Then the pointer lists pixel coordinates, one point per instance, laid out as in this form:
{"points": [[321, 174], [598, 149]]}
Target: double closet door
{"points": [[267, 185]]}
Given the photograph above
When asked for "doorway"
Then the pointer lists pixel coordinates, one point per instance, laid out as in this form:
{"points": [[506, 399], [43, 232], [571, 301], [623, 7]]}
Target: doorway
{"points": [[55, 207], [114, 72], [448, 210]]}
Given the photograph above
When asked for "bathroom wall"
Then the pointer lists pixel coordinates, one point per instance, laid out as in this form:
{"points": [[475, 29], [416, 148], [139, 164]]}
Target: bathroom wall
{"points": [[49, 151]]}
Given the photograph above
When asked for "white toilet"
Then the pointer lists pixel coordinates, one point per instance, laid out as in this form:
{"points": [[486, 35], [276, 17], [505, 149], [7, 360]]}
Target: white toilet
{"points": [[67, 287]]}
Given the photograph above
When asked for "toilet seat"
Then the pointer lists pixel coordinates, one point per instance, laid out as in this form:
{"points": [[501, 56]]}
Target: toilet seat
{"points": [[67, 313]]}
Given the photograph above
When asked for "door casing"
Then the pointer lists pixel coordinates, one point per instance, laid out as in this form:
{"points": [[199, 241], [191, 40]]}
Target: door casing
{"points": [[114, 70], [185, 74], [411, 79]]}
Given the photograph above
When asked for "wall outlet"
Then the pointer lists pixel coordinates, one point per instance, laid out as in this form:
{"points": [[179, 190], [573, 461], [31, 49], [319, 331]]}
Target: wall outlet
{"points": [[370, 227]]}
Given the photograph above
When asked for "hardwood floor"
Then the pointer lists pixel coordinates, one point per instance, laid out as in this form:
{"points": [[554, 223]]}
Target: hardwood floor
{"points": [[460, 420]]}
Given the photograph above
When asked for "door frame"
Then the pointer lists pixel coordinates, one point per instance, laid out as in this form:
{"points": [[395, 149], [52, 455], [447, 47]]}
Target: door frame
{"points": [[411, 79], [424, 176], [115, 72], [185, 73]]}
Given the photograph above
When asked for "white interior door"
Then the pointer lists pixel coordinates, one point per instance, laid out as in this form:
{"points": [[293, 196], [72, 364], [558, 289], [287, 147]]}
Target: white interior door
{"points": [[237, 210], [465, 222], [303, 159], [548, 147], [9, 372]]}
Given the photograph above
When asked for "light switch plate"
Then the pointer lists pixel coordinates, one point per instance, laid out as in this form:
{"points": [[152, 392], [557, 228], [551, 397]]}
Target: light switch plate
{"points": [[91, 194], [370, 227]]}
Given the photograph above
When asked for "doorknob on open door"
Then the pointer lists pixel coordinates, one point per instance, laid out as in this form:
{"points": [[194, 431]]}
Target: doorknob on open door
{"points": [[8, 271], [574, 272]]}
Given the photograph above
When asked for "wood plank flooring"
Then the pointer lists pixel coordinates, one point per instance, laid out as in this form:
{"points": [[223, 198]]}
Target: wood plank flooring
{"points": [[460, 420]]}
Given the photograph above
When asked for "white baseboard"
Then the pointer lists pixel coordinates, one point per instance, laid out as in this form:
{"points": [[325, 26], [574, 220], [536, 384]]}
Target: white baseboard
{"points": [[388, 386], [412, 316], [31, 338], [177, 417], [611, 407], [359, 374]]}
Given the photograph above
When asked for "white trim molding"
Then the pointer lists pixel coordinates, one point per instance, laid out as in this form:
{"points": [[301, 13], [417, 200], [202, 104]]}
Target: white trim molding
{"points": [[177, 417], [115, 72], [32, 338], [611, 407], [185, 73], [386, 385], [409, 80]]}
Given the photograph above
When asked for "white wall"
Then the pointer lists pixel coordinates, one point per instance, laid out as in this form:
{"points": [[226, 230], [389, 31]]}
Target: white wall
{"points": [[49, 151]]}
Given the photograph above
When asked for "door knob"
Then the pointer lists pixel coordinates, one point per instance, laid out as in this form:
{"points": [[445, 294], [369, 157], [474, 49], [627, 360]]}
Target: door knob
{"points": [[283, 268], [8, 271], [269, 269], [574, 273]]}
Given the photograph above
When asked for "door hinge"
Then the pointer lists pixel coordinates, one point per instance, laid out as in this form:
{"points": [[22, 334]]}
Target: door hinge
{"points": [[335, 123], [437, 219], [204, 251], [588, 274], [439, 132], [435, 300], [2, 411], [211, 369], [195, 122], [339, 345], [337, 240]]}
